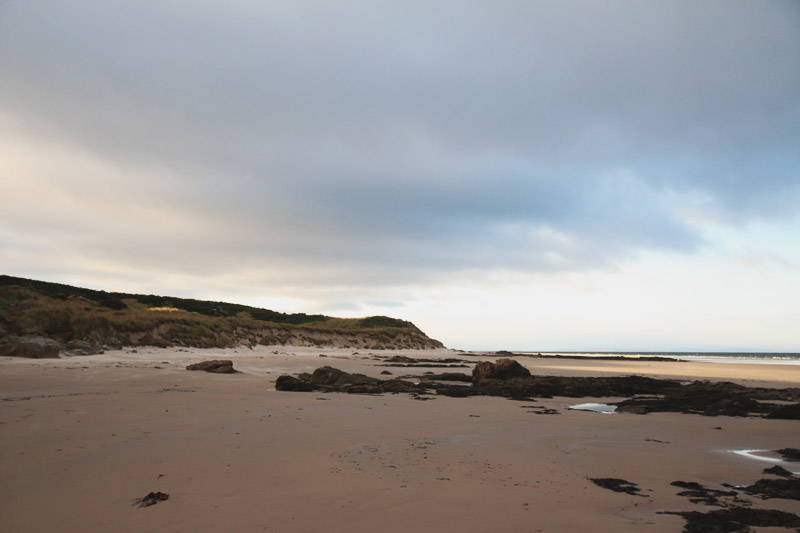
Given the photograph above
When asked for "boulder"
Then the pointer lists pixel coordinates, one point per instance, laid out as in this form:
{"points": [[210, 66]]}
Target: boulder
{"points": [[78, 347], [501, 369], [216, 366], [30, 347]]}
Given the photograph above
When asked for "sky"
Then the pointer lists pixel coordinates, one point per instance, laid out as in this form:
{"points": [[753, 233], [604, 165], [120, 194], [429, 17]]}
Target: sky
{"points": [[571, 175]]}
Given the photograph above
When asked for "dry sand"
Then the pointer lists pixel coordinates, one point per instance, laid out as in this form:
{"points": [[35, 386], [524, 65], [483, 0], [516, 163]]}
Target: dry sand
{"points": [[82, 437]]}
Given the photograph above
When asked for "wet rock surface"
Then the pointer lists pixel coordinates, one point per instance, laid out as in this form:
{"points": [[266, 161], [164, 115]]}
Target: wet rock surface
{"points": [[216, 366], [617, 485]]}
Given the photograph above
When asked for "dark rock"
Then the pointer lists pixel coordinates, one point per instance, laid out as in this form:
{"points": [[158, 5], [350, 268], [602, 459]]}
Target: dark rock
{"points": [[786, 412], [386, 373], [449, 376], [714, 399], [30, 347], [400, 359], [334, 380], [736, 520], [289, 383], [788, 489], [152, 498], [380, 387], [610, 358], [778, 470], [516, 383], [426, 365], [574, 387], [327, 375], [504, 353], [398, 385], [501, 369], [78, 347], [697, 493], [617, 485], [789, 454], [454, 391], [216, 366]]}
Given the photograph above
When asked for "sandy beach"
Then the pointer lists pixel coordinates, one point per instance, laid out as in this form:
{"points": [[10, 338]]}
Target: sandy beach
{"points": [[82, 437]]}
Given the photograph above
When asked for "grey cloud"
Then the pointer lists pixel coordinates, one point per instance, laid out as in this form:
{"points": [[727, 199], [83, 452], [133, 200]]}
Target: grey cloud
{"points": [[394, 140]]}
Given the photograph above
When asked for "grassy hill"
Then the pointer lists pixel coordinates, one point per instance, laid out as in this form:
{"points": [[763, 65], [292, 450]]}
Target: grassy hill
{"points": [[64, 313]]}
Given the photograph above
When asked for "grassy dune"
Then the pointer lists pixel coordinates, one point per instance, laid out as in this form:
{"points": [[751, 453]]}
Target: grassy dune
{"points": [[63, 312]]}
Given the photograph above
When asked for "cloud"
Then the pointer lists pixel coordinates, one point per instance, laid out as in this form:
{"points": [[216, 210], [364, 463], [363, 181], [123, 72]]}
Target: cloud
{"points": [[390, 143]]}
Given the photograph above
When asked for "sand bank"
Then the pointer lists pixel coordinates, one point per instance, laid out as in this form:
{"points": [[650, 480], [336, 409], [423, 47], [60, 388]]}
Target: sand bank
{"points": [[81, 438]]}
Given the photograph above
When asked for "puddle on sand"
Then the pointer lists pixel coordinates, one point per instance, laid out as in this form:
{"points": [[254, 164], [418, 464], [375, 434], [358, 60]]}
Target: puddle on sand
{"points": [[758, 455], [595, 407]]}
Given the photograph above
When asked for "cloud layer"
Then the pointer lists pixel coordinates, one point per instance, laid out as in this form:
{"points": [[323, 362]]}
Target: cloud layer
{"points": [[368, 143]]}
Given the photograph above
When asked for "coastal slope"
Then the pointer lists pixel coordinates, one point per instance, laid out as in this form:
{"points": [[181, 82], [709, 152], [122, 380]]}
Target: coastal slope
{"points": [[106, 320]]}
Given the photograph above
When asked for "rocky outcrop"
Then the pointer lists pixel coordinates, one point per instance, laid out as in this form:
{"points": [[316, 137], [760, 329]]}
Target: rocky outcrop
{"points": [[30, 347], [508, 379], [216, 366], [501, 369]]}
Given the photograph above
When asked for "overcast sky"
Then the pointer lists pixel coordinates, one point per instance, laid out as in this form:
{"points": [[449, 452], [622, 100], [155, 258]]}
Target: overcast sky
{"points": [[526, 175]]}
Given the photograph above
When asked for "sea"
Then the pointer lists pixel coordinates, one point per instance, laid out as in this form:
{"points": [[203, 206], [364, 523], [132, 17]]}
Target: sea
{"points": [[761, 358]]}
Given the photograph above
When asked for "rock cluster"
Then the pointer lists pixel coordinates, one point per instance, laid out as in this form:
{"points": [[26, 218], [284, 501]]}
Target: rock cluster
{"points": [[509, 379]]}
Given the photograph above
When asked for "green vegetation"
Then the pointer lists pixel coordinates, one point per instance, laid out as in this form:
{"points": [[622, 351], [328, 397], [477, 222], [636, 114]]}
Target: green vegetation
{"points": [[66, 313]]}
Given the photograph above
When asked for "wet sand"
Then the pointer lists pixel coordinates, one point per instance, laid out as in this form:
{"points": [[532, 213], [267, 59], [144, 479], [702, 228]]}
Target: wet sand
{"points": [[81, 438]]}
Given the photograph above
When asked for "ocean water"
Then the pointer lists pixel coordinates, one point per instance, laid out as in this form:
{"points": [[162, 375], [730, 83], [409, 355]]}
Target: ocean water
{"points": [[761, 358]]}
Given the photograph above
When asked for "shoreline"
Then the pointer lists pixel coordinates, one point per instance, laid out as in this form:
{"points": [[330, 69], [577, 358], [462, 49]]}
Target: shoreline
{"points": [[89, 434]]}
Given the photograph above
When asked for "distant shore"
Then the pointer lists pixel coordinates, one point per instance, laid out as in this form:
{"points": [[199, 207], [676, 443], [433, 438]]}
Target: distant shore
{"points": [[83, 437]]}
